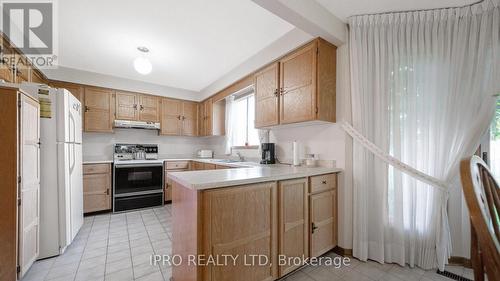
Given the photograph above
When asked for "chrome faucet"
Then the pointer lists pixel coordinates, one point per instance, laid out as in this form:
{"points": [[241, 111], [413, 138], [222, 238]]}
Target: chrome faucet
{"points": [[242, 159]]}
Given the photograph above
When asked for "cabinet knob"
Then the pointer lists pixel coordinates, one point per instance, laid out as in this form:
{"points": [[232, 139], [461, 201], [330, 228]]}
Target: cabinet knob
{"points": [[323, 182]]}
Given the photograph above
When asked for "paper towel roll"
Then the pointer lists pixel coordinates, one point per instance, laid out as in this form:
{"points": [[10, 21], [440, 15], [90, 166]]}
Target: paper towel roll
{"points": [[295, 148]]}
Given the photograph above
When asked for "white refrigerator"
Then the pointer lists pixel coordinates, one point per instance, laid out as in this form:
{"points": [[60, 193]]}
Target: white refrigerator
{"points": [[61, 175]]}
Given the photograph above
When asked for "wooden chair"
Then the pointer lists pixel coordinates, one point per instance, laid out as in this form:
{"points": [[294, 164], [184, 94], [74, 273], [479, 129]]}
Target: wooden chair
{"points": [[482, 195]]}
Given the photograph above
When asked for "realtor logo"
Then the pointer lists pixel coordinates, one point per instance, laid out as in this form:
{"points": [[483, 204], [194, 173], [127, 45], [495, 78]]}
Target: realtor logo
{"points": [[30, 26]]}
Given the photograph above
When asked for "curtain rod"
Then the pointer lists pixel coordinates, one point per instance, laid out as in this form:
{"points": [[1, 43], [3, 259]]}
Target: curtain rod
{"points": [[418, 10]]}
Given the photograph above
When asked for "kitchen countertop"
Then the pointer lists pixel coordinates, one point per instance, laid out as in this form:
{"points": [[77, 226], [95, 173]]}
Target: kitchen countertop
{"points": [[207, 179]]}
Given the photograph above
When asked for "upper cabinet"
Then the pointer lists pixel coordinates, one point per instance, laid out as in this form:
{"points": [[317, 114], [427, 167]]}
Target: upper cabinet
{"points": [[267, 96], [137, 107], [6, 60], [179, 118], [306, 89], [75, 89], [99, 110], [149, 108], [22, 69], [206, 118], [189, 118], [126, 106]]}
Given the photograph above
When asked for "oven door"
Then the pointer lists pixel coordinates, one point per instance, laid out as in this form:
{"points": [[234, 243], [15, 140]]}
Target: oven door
{"points": [[140, 179]]}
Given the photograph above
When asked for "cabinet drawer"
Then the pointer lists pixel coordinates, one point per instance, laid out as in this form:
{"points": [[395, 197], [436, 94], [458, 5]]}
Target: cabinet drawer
{"points": [[322, 183], [96, 169], [177, 165]]}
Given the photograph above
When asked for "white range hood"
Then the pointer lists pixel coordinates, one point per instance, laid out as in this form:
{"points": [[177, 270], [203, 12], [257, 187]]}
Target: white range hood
{"points": [[136, 125]]}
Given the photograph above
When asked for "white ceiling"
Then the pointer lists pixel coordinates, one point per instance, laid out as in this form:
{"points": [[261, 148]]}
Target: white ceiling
{"points": [[192, 42], [346, 8]]}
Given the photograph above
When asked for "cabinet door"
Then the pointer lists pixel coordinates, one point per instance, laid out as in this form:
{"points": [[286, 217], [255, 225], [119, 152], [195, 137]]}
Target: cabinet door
{"points": [[208, 166], [22, 70], [171, 112], [293, 218], [201, 119], [126, 106], [75, 89], [323, 222], [36, 77], [208, 105], [267, 96], [168, 184], [29, 188], [96, 192], [249, 228], [189, 118], [298, 85], [99, 110], [197, 166], [149, 108], [6, 61]]}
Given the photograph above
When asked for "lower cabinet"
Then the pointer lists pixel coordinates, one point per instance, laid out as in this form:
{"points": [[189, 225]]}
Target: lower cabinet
{"points": [[198, 166], [283, 222], [96, 187], [293, 230], [243, 221], [172, 166], [323, 216]]}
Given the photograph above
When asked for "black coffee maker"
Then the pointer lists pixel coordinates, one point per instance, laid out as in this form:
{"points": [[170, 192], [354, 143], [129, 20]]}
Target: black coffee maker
{"points": [[267, 153]]}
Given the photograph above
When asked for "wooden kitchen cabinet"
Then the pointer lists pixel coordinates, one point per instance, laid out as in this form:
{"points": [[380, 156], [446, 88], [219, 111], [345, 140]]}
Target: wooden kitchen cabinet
{"points": [[179, 118], [242, 220], [206, 118], [267, 96], [22, 69], [99, 110], [171, 112], [6, 62], [149, 108], [189, 118], [76, 90], [37, 77], [323, 216], [306, 87], [173, 166], [126, 106], [20, 188], [197, 166], [96, 187], [137, 107], [294, 221]]}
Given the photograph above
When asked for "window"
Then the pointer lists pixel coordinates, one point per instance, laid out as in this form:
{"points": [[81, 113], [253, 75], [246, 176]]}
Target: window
{"points": [[244, 132], [494, 161]]}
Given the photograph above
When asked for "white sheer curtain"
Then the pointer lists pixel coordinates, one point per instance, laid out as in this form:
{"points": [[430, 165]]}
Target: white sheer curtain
{"points": [[422, 90], [229, 124]]}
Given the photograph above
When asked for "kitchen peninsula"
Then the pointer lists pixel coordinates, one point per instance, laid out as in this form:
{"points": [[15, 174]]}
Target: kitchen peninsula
{"points": [[256, 214]]}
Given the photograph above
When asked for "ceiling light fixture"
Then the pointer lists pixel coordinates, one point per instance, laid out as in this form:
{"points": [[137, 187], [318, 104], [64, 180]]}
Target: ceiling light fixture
{"points": [[141, 63]]}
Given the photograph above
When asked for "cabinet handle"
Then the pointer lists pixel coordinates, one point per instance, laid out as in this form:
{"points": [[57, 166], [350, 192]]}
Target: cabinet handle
{"points": [[276, 93], [142, 107], [135, 106], [107, 191], [86, 109], [323, 182], [313, 227], [179, 117]]}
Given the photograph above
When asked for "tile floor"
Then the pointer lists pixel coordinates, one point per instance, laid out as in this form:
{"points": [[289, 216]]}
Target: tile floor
{"points": [[118, 247]]}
